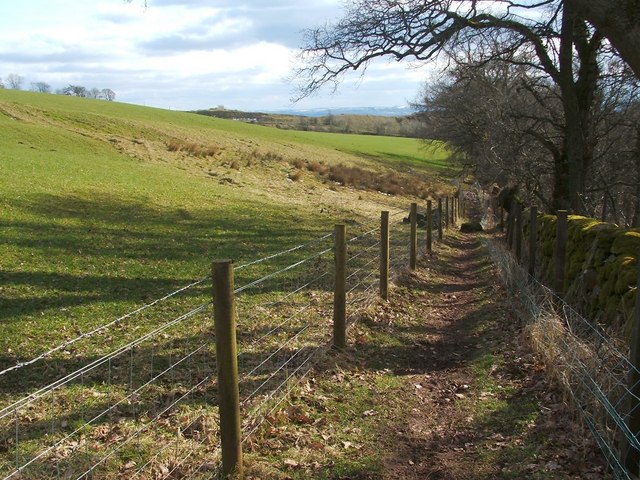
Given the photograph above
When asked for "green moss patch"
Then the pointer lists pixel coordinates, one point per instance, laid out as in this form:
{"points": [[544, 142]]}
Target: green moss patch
{"points": [[601, 269]]}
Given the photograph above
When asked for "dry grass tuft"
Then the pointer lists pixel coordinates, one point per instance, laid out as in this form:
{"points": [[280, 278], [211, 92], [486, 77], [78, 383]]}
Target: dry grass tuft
{"points": [[318, 167], [192, 148], [298, 163], [391, 183], [296, 176]]}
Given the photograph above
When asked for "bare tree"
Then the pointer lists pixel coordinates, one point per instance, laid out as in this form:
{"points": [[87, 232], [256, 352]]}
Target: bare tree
{"points": [[562, 48], [500, 120], [41, 87], [14, 81], [94, 93], [108, 94]]}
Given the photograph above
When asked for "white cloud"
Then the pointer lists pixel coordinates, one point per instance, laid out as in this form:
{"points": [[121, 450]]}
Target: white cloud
{"points": [[183, 54]]}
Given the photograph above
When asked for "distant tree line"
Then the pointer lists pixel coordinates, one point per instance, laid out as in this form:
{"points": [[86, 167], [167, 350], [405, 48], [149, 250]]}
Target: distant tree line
{"points": [[14, 81], [407, 126]]}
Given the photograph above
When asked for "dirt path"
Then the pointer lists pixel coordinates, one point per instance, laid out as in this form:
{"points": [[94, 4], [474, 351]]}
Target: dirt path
{"points": [[437, 383], [484, 406]]}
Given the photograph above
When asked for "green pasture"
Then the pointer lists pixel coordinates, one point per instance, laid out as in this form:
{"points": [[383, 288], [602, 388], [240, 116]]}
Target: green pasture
{"points": [[93, 225]]}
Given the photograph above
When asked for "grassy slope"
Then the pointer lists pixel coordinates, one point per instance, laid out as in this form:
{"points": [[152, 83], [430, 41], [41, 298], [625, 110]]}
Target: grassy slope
{"points": [[98, 216]]}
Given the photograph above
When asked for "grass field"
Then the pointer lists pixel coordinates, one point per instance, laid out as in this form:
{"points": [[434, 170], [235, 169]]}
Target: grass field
{"points": [[98, 215], [105, 207]]}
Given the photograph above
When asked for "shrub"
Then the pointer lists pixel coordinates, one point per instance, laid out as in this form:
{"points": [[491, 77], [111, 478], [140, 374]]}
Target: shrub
{"points": [[317, 167]]}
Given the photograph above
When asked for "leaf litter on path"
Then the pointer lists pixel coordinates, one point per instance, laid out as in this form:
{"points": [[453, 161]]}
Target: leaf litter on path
{"points": [[438, 383]]}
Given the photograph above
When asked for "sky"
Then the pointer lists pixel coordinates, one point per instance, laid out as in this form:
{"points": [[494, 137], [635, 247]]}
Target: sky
{"points": [[186, 54]]}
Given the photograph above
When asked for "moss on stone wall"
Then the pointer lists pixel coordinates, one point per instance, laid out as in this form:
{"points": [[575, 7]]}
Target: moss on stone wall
{"points": [[601, 269]]}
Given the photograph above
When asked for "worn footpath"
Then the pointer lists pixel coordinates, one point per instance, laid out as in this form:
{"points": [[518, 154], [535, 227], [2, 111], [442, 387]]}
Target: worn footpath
{"points": [[437, 383]]}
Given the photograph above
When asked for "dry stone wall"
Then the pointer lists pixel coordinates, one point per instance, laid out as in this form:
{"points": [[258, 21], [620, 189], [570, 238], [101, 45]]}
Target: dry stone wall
{"points": [[601, 269]]}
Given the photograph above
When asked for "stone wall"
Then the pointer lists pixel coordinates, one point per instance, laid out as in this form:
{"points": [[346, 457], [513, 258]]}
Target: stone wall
{"points": [[601, 271]]}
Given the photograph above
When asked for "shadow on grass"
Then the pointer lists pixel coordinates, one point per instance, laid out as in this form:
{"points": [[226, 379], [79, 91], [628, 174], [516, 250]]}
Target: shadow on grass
{"points": [[112, 249], [120, 228], [83, 289]]}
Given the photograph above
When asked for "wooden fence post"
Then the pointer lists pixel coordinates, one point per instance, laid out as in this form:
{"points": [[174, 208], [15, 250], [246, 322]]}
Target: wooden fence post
{"points": [[453, 211], [446, 212], [457, 201], [631, 454], [340, 288], [533, 240], [562, 233], [227, 365], [384, 255], [429, 227], [518, 227], [440, 219], [413, 243], [452, 202]]}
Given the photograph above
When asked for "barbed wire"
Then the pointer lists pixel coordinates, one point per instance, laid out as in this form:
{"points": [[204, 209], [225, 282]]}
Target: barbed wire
{"points": [[97, 417], [165, 447], [143, 428], [249, 397], [259, 281], [363, 252], [363, 235], [305, 339], [66, 344], [284, 252], [297, 290], [293, 375], [286, 321]]}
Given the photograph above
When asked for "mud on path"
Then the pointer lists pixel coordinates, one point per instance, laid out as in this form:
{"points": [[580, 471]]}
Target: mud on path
{"points": [[437, 383]]}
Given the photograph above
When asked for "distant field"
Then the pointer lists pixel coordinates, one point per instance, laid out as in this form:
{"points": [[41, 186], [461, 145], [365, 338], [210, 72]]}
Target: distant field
{"points": [[103, 206]]}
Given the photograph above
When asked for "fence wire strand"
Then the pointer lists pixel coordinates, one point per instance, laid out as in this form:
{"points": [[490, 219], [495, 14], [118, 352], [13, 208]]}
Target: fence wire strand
{"points": [[99, 329], [159, 380], [592, 366]]}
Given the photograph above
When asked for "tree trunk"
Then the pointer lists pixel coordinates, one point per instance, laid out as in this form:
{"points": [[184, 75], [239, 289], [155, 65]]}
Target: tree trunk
{"points": [[578, 92], [619, 21]]}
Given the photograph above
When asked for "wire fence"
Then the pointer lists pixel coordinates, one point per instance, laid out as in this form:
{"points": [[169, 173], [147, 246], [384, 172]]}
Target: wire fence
{"points": [[137, 396], [592, 367]]}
